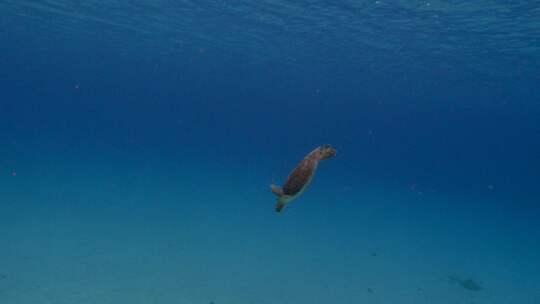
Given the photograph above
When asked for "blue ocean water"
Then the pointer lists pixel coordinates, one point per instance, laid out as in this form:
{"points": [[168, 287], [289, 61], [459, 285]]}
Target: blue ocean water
{"points": [[139, 139]]}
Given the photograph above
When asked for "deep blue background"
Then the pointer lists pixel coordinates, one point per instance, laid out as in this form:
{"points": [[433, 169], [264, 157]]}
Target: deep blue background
{"points": [[413, 94], [138, 138]]}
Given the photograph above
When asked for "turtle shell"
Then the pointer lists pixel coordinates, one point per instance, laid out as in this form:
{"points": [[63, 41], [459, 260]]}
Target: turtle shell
{"points": [[300, 177]]}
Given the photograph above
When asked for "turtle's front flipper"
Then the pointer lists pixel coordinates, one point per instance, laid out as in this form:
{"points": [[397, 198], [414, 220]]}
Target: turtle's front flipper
{"points": [[277, 190]]}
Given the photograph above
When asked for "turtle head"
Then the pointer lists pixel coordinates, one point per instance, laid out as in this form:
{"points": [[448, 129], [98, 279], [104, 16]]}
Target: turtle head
{"points": [[327, 151]]}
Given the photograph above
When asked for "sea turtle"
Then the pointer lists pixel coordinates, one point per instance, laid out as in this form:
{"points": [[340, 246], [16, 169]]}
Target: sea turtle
{"points": [[299, 178]]}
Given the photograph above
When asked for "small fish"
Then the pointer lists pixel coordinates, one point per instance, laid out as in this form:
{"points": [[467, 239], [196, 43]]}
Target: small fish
{"points": [[468, 284]]}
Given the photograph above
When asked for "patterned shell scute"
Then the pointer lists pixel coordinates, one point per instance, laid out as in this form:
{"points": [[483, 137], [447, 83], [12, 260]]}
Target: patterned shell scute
{"points": [[300, 176]]}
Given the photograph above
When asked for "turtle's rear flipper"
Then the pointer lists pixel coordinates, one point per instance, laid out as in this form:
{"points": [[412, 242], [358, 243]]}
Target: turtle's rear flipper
{"points": [[276, 189], [279, 205], [281, 202]]}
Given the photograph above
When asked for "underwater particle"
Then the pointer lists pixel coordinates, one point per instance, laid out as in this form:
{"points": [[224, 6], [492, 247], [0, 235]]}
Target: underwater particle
{"points": [[374, 254], [491, 187], [369, 290], [13, 173]]}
